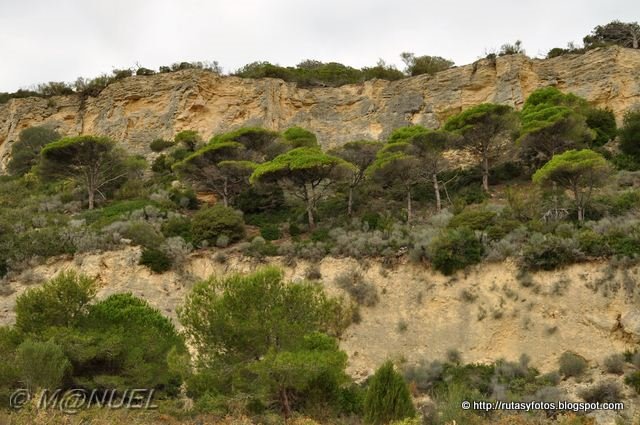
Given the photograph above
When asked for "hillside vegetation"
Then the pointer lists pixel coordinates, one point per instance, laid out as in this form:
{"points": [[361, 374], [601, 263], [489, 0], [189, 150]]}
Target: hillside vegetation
{"points": [[553, 185]]}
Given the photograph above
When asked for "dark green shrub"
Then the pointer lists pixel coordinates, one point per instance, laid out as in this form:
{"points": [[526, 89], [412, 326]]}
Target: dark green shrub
{"points": [[388, 397], [455, 249], [143, 234], [44, 242], [473, 218], [184, 198], [633, 380], [506, 172], [209, 223], [572, 364], [373, 220], [157, 261], [501, 228], [25, 151], [549, 252], [124, 343], [625, 244], [144, 71], [270, 232], [260, 199], [626, 162], [158, 145], [177, 226], [320, 235], [630, 135], [350, 400], [593, 244], [41, 364], [294, 230]]}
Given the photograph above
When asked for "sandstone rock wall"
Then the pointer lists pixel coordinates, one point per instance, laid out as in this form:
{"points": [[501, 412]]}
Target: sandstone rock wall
{"points": [[138, 109]]}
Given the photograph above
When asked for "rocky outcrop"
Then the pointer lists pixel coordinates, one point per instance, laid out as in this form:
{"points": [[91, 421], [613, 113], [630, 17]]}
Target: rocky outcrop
{"points": [[138, 109]]}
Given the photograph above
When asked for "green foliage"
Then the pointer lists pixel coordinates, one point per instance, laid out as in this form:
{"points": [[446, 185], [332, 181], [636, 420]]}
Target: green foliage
{"points": [[297, 137], [270, 232], [251, 313], [41, 364], [177, 226], [455, 249], [312, 73], [625, 34], [313, 371], [579, 171], [388, 397], [571, 166], [603, 122], [210, 223], [418, 65], [473, 218], [25, 151], [158, 145], [572, 364], [189, 139], [60, 302], [256, 334], [630, 135], [406, 134], [302, 171], [156, 260], [263, 199], [633, 380], [482, 127], [142, 233], [121, 343], [553, 122], [114, 211], [548, 252], [511, 49], [92, 161]]}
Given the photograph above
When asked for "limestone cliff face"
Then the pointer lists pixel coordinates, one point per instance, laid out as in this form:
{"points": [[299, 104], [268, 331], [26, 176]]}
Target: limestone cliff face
{"points": [[138, 109]]}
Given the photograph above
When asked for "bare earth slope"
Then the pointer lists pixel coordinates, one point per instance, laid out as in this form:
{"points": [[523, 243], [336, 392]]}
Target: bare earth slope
{"points": [[490, 313], [138, 109]]}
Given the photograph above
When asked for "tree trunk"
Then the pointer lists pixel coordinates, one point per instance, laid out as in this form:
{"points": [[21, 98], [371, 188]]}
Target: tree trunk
{"points": [[485, 173], [92, 196], [308, 197], [284, 399], [436, 188], [312, 223], [580, 214], [225, 200], [350, 202], [409, 206]]}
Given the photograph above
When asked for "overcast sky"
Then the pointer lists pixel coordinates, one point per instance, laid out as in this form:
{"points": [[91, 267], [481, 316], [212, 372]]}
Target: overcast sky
{"points": [[45, 40]]}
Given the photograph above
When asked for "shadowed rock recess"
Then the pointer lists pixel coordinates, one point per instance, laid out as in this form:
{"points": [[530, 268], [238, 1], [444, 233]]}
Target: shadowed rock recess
{"points": [[139, 109]]}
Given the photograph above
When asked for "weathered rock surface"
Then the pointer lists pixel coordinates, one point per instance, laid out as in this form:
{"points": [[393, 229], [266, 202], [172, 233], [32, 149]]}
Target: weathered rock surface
{"points": [[138, 109]]}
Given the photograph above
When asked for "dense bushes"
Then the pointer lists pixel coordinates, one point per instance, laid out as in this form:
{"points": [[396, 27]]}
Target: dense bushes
{"points": [[455, 249], [156, 260], [548, 252], [388, 397], [61, 339], [210, 223], [268, 329]]}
